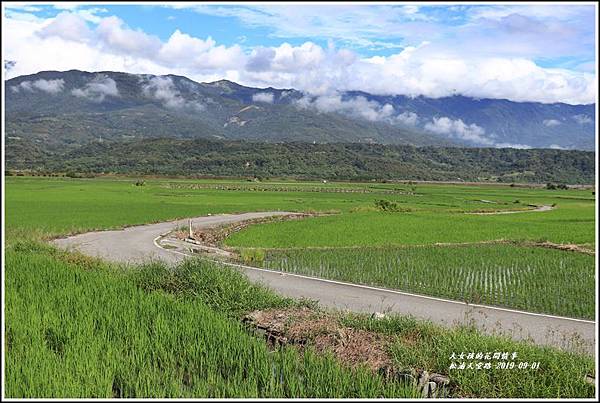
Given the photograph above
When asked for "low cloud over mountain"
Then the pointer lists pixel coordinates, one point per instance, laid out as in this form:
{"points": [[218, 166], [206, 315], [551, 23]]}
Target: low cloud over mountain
{"points": [[122, 105]]}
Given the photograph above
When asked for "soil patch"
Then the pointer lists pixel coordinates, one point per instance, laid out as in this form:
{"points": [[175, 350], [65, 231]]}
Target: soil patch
{"points": [[214, 236], [303, 327], [567, 247]]}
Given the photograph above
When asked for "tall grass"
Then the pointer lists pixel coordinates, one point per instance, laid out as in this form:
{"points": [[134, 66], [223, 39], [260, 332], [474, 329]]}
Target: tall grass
{"points": [[425, 345], [532, 279], [75, 332]]}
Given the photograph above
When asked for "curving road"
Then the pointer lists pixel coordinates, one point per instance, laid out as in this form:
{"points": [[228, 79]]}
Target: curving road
{"points": [[138, 244], [537, 209]]}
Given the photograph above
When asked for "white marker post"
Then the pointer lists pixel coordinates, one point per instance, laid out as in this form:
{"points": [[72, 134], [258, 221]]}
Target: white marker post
{"points": [[191, 234]]}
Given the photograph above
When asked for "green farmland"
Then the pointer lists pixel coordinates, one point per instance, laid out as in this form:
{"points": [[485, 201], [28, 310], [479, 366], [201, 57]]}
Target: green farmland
{"points": [[76, 326], [524, 278]]}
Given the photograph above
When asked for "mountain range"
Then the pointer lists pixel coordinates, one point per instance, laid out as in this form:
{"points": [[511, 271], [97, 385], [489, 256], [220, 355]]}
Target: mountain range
{"points": [[62, 110]]}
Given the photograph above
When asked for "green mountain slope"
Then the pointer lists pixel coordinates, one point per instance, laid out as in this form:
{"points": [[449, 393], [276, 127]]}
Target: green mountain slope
{"points": [[83, 106]]}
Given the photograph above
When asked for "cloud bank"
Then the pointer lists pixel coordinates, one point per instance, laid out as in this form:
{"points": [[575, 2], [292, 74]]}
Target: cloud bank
{"points": [[459, 129], [354, 106], [266, 97], [583, 119], [551, 122], [163, 89], [97, 89], [49, 86], [421, 64]]}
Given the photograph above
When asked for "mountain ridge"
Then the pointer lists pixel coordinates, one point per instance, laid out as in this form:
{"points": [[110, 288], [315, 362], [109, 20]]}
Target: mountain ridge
{"points": [[73, 107]]}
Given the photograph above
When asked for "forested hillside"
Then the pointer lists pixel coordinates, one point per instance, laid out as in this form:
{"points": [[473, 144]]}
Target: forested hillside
{"points": [[203, 157]]}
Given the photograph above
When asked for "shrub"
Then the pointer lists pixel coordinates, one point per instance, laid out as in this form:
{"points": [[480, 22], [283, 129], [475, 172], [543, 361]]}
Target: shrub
{"points": [[552, 186]]}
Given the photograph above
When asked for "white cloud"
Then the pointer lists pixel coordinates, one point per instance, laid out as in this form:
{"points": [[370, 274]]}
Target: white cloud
{"points": [[521, 31], [164, 90], [556, 147], [285, 94], [293, 58], [67, 26], [551, 122], [512, 145], [22, 7], [355, 24], [97, 89], [470, 133], [458, 129], [554, 11], [266, 97], [70, 41], [116, 37], [49, 86], [67, 5], [354, 106], [583, 119], [421, 71], [407, 118], [197, 54]]}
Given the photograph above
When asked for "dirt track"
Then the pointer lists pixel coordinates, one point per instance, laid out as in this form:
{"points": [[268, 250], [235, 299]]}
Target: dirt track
{"points": [[137, 244]]}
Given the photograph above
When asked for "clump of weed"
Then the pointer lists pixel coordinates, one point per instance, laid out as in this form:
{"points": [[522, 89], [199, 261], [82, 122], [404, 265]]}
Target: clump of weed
{"points": [[219, 287], [553, 186], [253, 256], [389, 206], [31, 246], [80, 260], [55, 341]]}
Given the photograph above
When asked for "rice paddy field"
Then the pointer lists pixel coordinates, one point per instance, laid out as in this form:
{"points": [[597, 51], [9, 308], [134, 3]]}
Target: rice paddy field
{"points": [[78, 327], [524, 278]]}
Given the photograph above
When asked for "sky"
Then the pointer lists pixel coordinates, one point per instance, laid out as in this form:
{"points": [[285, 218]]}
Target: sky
{"points": [[522, 52]]}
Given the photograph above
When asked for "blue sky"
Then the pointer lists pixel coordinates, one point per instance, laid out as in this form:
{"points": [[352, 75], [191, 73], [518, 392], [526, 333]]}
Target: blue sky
{"points": [[542, 52]]}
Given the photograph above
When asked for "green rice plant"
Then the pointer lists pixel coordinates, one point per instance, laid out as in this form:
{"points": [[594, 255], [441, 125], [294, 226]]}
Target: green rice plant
{"points": [[105, 333], [35, 204], [527, 278]]}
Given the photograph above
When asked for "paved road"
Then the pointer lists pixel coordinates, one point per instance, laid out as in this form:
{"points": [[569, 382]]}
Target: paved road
{"points": [[137, 244], [134, 245], [537, 209]]}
